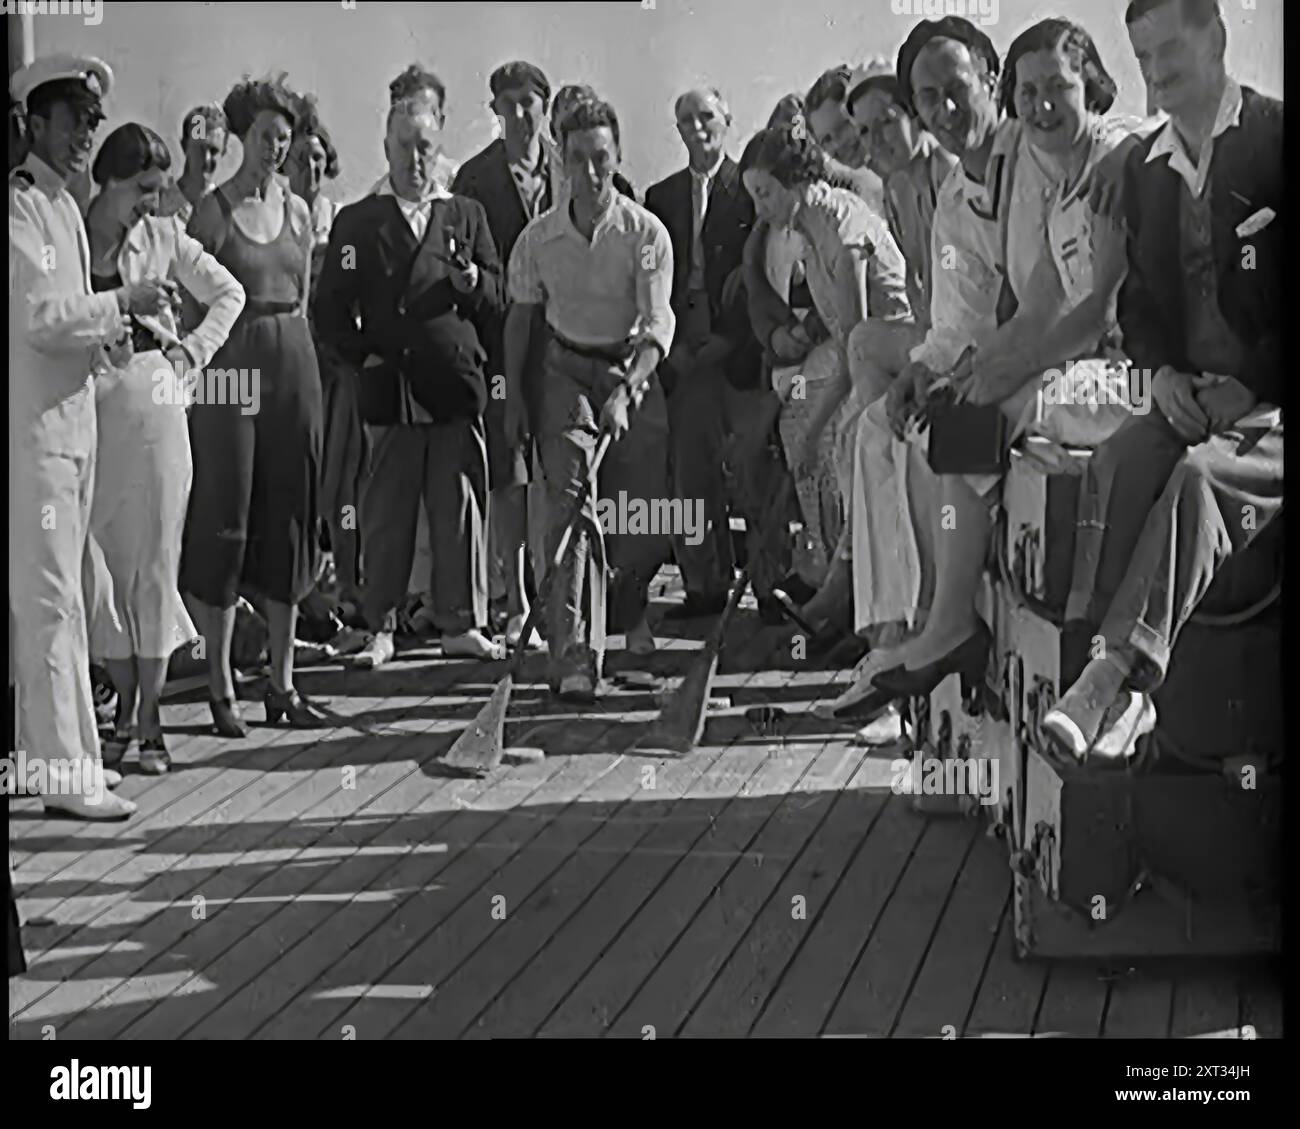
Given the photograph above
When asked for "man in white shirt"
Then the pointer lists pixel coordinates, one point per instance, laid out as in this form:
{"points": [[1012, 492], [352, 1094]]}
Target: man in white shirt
{"points": [[600, 267]]}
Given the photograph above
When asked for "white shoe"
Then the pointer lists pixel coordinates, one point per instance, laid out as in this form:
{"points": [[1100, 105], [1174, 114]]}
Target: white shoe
{"points": [[473, 644], [1087, 709], [884, 730], [112, 778], [515, 628], [376, 652], [640, 640], [107, 807], [1130, 719]]}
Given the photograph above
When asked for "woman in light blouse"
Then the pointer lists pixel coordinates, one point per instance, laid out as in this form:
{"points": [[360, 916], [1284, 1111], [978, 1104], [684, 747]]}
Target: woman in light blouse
{"points": [[853, 269], [143, 469]]}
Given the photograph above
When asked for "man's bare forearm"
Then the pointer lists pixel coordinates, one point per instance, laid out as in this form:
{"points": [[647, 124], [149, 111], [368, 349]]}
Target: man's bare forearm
{"points": [[644, 362]]}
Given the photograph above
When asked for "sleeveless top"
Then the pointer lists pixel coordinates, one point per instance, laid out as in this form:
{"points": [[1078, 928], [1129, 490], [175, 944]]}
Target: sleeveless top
{"points": [[270, 273]]}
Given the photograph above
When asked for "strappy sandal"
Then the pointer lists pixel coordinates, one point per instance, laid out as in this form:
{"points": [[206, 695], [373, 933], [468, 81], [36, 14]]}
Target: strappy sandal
{"points": [[113, 749], [154, 758]]}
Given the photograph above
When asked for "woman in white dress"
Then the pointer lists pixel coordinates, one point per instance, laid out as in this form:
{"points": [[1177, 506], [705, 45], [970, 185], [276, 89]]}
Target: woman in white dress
{"points": [[143, 470]]}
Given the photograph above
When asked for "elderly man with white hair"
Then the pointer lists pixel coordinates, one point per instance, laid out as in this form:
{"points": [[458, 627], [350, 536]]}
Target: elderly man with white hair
{"points": [[713, 376]]}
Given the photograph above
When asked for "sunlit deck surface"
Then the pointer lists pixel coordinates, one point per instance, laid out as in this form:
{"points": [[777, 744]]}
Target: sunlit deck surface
{"points": [[336, 884]]}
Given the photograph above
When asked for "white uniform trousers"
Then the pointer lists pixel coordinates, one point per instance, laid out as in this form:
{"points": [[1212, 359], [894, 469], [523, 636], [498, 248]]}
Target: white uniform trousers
{"points": [[51, 483]]}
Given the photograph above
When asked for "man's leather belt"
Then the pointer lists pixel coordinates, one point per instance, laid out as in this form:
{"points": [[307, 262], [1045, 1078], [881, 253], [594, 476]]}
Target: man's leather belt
{"points": [[255, 307], [614, 354]]}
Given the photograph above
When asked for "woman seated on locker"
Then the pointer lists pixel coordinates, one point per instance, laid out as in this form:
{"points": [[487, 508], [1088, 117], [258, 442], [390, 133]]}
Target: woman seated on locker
{"points": [[1063, 275]]}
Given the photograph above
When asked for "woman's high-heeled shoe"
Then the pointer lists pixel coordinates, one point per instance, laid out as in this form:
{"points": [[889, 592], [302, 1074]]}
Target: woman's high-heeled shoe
{"points": [[969, 659], [113, 749], [154, 758], [289, 704], [226, 718]]}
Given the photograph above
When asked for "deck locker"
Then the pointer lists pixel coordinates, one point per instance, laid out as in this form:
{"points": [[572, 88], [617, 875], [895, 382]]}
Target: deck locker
{"points": [[1179, 850]]}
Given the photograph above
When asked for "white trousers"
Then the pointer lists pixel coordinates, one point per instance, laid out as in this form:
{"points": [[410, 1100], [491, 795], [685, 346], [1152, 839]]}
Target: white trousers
{"points": [[51, 483], [893, 491]]}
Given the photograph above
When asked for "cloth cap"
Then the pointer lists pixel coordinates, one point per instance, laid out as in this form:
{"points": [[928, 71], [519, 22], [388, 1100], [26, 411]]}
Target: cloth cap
{"points": [[87, 78]]}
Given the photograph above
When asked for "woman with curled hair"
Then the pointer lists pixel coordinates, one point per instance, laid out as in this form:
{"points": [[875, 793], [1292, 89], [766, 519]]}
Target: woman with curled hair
{"points": [[1063, 269], [254, 507], [143, 469], [853, 270]]}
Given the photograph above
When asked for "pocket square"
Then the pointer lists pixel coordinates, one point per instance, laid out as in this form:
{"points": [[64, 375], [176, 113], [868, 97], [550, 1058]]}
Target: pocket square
{"points": [[1256, 223]]}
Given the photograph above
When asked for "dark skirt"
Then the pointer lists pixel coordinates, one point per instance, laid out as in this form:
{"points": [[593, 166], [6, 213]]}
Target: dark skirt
{"points": [[253, 520]]}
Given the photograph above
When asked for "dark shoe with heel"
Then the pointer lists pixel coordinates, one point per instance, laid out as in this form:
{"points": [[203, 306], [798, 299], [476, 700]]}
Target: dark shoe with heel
{"points": [[968, 659], [113, 749], [289, 704], [226, 718]]}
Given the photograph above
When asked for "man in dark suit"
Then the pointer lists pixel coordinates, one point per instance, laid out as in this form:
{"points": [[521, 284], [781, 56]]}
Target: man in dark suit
{"points": [[713, 374], [410, 274], [1176, 491]]}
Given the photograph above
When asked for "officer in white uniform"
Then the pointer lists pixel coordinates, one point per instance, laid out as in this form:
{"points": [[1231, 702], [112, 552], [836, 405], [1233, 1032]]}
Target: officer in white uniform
{"points": [[56, 328]]}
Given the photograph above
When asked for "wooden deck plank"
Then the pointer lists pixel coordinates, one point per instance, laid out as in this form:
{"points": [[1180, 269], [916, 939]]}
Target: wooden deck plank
{"points": [[352, 973], [1074, 1000], [271, 965], [708, 836], [225, 971], [283, 892], [837, 931], [154, 794], [540, 906], [733, 1001], [484, 982], [54, 844], [355, 955], [897, 944], [676, 984], [219, 793], [247, 818], [1207, 1001], [607, 895], [187, 718], [943, 994], [1010, 991], [1139, 1006], [404, 951], [185, 794], [368, 907]]}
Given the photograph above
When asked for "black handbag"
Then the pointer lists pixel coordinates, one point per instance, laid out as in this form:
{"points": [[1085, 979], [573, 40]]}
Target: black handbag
{"points": [[966, 438]]}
